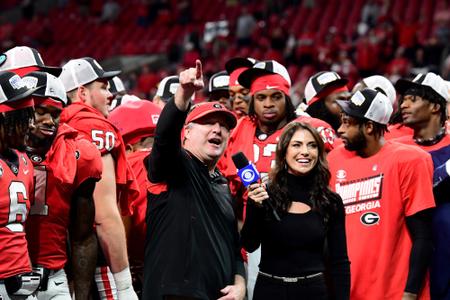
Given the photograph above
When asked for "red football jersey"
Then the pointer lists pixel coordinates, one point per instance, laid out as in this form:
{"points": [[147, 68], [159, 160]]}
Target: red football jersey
{"points": [[325, 130], [378, 193], [259, 150], [15, 189], [136, 239], [49, 218], [106, 137]]}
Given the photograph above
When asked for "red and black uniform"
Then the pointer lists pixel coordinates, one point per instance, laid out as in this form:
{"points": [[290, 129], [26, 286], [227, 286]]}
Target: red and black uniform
{"points": [[136, 239], [106, 137], [16, 184], [70, 161]]}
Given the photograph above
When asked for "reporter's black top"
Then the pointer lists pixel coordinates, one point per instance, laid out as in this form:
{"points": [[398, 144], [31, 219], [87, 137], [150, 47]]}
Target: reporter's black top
{"points": [[294, 246]]}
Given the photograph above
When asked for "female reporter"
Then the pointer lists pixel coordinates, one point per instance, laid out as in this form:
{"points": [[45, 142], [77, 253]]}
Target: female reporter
{"points": [[312, 220]]}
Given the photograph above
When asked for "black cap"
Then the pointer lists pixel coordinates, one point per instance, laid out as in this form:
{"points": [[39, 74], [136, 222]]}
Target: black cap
{"points": [[261, 68], [219, 82], [81, 71], [430, 82], [99, 69], [116, 86], [23, 57], [50, 86], [368, 104], [321, 81], [167, 87], [13, 88], [239, 62]]}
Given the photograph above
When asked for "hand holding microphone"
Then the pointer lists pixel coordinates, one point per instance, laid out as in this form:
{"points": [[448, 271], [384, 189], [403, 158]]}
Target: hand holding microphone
{"points": [[257, 193], [249, 176]]}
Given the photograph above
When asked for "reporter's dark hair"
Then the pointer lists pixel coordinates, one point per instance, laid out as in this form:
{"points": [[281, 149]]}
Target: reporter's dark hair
{"points": [[323, 199], [290, 109]]}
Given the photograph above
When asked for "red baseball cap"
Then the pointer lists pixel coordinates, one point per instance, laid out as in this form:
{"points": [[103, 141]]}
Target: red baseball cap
{"points": [[135, 119], [203, 109]]}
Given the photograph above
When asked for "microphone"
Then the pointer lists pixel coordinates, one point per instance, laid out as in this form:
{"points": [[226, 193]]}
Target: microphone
{"points": [[248, 174], [246, 170]]}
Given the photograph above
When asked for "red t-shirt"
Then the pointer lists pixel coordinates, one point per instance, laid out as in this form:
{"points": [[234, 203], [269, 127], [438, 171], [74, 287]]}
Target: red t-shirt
{"points": [[398, 130], [136, 239], [106, 137], [408, 140], [378, 193], [69, 162], [14, 207]]}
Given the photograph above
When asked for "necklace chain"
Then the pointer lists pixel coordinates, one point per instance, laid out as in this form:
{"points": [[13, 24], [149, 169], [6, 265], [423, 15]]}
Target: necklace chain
{"points": [[431, 141]]}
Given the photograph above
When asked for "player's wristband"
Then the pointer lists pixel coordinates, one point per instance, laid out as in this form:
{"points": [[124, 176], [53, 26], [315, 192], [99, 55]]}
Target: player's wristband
{"points": [[123, 279]]}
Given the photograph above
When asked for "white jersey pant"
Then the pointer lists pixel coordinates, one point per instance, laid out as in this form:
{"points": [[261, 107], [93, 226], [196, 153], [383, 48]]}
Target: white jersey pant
{"points": [[57, 288], [252, 269]]}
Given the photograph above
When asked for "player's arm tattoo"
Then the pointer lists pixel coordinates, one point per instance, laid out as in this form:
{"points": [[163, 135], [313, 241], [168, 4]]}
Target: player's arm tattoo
{"points": [[83, 238]]}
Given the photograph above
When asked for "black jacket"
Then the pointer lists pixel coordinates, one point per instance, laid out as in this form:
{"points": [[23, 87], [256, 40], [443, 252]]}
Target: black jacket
{"points": [[192, 242]]}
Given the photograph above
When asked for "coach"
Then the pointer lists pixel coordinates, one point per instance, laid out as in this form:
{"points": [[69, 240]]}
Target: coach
{"points": [[192, 249]]}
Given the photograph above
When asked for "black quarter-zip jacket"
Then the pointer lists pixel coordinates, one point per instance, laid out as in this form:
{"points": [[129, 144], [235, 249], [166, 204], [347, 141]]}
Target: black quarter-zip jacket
{"points": [[192, 243]]}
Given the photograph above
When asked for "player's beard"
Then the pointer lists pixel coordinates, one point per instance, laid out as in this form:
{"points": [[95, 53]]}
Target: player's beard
{"points": [[320, 111], [333, 120], [358, 143]]}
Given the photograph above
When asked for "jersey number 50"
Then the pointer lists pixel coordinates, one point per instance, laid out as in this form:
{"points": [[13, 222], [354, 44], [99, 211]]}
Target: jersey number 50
{"points": [[103, 140]]}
